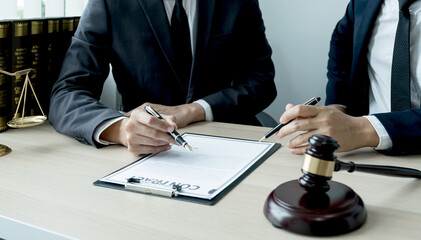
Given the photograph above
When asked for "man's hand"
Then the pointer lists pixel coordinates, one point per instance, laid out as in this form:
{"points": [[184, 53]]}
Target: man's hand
{"points": [[143, 133], [183, 114], [350, 132]]}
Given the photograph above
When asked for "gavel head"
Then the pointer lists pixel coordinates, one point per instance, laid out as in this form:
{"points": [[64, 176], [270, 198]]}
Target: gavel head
{"points": [[319, 163]]}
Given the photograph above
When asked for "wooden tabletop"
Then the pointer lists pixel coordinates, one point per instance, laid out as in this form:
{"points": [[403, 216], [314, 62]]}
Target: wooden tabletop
{"points": [[46, 182]]}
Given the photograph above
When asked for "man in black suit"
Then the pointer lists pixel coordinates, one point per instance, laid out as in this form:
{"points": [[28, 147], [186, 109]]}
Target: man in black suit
{"points": [[359, 73], [230, 79]]}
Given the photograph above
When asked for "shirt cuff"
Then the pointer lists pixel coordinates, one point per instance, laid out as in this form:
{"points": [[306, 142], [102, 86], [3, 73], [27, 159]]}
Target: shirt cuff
{"points": [[207, 108], [384, 139], [101, 127]]}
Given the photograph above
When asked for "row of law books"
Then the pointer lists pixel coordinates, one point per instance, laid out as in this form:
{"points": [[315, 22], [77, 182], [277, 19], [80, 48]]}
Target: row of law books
{"points": [[39, 44]]}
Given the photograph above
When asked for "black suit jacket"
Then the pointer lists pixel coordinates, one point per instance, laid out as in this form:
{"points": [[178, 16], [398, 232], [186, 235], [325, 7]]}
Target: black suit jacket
{"points": [[349, 82], [232, 68]]}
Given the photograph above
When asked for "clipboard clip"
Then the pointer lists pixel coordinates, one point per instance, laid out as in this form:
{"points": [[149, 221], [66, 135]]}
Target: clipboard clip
{"points": [[134, 184]]}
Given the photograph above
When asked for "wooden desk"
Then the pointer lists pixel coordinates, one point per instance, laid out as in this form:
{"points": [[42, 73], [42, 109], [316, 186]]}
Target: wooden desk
{"points": [[47, 182]]}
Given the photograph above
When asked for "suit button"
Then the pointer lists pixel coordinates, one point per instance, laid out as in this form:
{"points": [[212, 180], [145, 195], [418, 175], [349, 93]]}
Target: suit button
{"points": [[82, 140]]}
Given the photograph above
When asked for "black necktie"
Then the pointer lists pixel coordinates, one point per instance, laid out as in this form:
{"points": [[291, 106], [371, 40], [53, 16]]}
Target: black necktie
{"points": [[400, 92], [180, 34]]}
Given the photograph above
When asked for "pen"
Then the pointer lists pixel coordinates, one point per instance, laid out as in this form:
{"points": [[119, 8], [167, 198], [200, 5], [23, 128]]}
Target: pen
{"points": [[312, 101], [174, 133]]}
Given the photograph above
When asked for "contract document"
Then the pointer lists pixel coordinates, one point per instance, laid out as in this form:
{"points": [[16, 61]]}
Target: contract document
{"points": [[214, 164]]}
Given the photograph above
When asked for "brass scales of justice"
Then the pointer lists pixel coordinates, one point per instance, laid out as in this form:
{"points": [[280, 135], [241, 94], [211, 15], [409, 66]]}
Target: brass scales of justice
{"points": [[22, 121]]}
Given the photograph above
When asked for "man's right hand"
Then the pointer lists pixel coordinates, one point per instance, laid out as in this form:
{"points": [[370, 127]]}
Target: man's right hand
{"points": [[350, 132], [141, 132]]}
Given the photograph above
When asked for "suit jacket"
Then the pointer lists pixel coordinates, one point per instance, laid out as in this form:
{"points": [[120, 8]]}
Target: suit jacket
{"points": [[232, 67], [349, 82]]}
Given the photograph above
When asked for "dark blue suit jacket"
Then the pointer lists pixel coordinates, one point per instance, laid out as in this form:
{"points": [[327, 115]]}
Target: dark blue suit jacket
{"points": [[232, 68], [349, 82]]}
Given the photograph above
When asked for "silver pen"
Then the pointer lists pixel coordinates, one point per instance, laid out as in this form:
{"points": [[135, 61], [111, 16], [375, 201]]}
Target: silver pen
{"points": [[174, 133]]}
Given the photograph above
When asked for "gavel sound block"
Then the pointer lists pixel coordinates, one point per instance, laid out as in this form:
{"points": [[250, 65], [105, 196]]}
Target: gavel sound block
{"points": [[314, 204]]}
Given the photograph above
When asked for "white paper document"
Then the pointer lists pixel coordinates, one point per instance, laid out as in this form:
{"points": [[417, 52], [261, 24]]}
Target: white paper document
{"points": [[214, 164]]}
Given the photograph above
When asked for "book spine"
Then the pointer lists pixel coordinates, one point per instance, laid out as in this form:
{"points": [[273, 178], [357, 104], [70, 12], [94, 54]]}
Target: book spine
{"points": [[53, 26], [5, 87], [37, 56], [20, 59]]}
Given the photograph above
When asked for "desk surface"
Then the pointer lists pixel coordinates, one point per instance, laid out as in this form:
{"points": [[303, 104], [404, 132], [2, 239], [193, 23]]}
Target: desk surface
{"points": [[47, 182]]}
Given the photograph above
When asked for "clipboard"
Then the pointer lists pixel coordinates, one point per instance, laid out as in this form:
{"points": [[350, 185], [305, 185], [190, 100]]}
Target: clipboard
{"points": [[159, 174]]}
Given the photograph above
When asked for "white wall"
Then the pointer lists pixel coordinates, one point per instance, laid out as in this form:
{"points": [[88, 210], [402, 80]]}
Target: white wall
{"points": [[8, 9], [32, 9], [299, 32], [75, 7]]}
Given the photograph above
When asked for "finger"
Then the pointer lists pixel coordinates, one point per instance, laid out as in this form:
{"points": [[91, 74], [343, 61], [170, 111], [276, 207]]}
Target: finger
{"points": [[302, 124], [139, 133], [301, 139], [299, 150], [153, 122], [142, 139], [171, 119], [289, 106], [299, 111], [154, 136], [147, 149]]}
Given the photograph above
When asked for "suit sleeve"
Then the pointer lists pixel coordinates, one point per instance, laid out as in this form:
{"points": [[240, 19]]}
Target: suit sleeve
{"points": [[404, 129], [340, 60], [253, 87], [75, 109]]}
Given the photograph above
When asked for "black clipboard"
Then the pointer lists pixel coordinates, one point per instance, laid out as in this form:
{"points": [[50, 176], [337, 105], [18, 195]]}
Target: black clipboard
{"points": [[172, 193]]}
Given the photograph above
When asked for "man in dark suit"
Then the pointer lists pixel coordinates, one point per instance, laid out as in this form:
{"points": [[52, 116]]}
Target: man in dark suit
{"points": [[230, 79], [359, 87]]}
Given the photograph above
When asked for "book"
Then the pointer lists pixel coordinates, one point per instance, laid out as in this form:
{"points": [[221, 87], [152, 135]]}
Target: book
{"points": [[52, 66], [37, 57], [5, 87], [76, 22], [20, 60]]}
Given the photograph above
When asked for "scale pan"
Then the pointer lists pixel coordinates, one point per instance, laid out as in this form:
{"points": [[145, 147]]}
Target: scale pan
{"points": [[28, 121]]}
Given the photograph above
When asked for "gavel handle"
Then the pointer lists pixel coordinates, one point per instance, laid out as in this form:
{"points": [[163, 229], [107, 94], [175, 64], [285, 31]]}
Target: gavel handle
{"points": [[377, 169]]}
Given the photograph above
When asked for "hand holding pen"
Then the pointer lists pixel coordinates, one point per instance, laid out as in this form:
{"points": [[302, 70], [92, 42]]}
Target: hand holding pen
{"points": [[312, 101], [174, 134]]}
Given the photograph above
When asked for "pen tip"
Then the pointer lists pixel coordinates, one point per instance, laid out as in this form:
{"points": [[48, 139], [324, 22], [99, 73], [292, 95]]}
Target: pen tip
{"points": [[188, 147], [263, 138]]}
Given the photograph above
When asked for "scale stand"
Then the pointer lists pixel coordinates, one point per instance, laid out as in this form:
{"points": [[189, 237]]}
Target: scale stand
{"points": [[24, 121]]}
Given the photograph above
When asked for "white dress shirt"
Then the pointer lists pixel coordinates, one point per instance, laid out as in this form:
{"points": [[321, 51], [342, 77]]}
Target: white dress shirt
{"points": [[380, 55], [191, 9]]}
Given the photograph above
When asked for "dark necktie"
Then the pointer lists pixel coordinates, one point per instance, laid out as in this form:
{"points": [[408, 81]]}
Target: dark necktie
{"points": [[400, 92], [180, 36]]}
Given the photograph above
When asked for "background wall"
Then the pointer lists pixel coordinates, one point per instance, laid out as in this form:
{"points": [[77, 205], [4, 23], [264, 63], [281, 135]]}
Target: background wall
{"points": [[299, 32]]}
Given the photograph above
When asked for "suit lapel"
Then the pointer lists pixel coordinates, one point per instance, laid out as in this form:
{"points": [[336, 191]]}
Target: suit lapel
{"points": [[365, 24], [158, 20], [205, 10], [366, 12]]}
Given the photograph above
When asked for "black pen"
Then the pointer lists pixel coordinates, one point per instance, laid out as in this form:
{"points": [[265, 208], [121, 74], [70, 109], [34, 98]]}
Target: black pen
{"points": [[174, 133], [312, 101]]}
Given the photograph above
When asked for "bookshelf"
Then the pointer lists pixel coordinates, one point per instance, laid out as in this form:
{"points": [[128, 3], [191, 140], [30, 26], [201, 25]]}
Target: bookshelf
{"points": [[36, 43]]}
